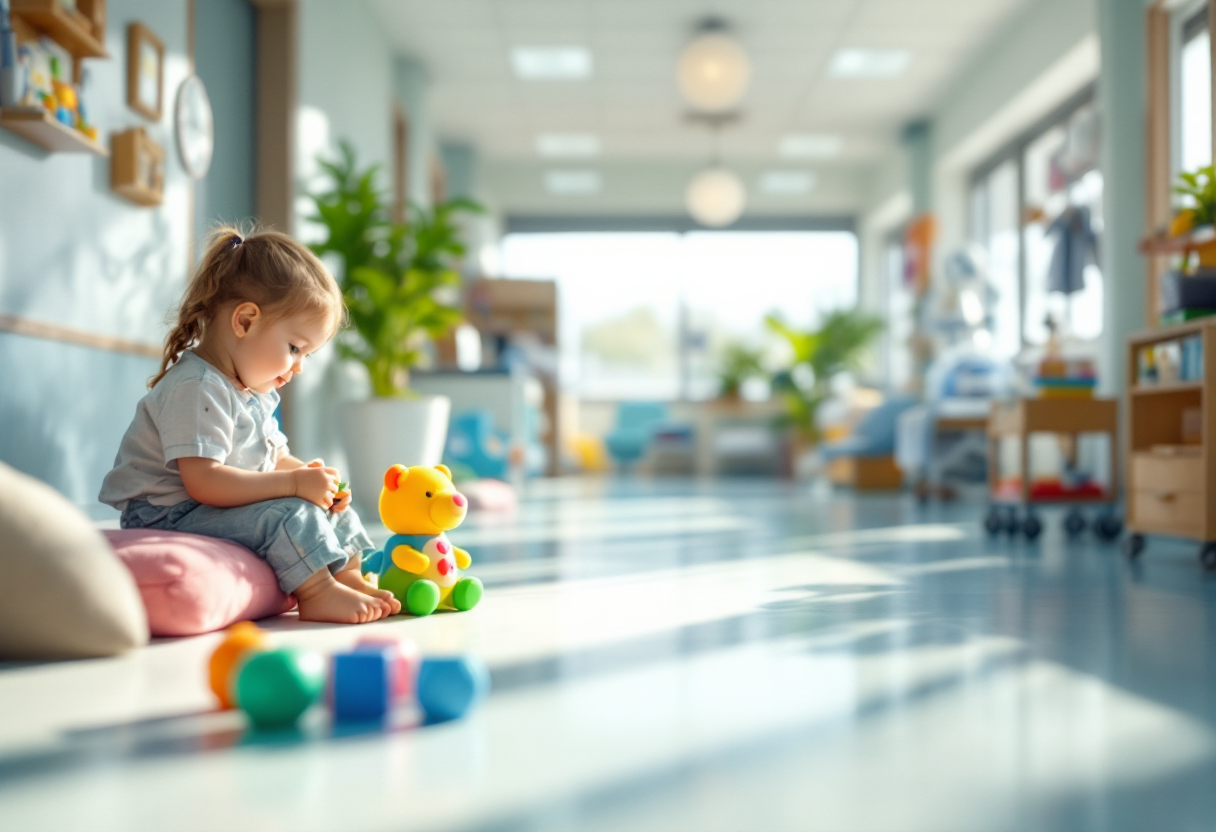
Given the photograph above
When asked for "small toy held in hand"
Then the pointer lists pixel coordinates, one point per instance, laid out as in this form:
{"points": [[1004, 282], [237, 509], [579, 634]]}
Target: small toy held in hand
{"points": [[418, 564], [341, 495]]}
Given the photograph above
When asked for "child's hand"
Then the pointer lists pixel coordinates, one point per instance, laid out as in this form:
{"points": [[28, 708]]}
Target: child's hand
{"points": [[342, 498], [316, 484]]}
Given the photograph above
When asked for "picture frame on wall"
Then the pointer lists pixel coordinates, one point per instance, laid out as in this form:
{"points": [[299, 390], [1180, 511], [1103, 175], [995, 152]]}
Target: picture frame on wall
{"points": [[145, 72]]}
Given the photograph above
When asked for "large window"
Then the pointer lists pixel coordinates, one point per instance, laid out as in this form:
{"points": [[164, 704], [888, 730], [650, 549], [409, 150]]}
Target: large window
{"points": [[1194, 85], [1036, 214], [646, 315]]}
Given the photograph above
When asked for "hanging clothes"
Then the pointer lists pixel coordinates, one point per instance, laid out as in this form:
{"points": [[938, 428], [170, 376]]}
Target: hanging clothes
{"points": [[1076, 248]]}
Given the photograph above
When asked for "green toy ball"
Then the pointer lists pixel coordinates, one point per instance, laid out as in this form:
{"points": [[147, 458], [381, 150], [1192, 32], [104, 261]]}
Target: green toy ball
{"points": [[276, 687], [466, 593], [422, 598]]}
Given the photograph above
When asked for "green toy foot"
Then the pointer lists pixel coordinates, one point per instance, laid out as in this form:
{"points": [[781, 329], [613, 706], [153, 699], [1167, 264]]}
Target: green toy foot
{"points": [[466, 593], [422, 598]]}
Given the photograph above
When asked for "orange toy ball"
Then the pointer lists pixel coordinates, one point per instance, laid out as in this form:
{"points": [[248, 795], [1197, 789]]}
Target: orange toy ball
{"points": [[241, 639]]}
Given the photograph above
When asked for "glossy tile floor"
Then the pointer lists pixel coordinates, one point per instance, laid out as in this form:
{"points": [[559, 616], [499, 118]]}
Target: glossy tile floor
{"points": [[733, 655]]}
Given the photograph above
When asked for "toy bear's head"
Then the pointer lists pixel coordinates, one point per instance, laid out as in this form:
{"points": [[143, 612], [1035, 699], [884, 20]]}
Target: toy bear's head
{"points": [[421, 500]]}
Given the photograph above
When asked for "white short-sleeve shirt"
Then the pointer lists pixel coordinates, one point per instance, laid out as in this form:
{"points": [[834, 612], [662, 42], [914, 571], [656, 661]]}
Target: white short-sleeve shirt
{"points": [[194, 411]]}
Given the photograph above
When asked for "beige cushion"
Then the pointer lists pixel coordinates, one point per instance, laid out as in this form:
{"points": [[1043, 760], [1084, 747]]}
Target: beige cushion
{"points": [[63, 592]]}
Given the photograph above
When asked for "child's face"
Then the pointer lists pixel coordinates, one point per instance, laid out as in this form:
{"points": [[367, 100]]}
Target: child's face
{"points": [[270, 352]]}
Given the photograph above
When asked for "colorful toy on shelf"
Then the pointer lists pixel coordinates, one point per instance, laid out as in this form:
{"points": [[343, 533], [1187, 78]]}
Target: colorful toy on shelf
{"points": [[241, 640], [448, 687], [275, 687], [418, 564], [64, 94]]}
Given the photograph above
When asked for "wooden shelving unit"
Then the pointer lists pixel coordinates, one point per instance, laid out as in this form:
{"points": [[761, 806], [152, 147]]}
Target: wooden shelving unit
{"points": [[79, 31], [1170, 480], [71, 29], [38, 126]]}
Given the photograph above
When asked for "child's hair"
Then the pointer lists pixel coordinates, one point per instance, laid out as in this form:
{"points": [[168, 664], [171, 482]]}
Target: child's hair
{"points": [[268, 268]]}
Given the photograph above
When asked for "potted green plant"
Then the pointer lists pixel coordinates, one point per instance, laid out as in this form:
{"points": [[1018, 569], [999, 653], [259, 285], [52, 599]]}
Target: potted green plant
{"points": [[400, 283], [817, 357], [738, 364]]}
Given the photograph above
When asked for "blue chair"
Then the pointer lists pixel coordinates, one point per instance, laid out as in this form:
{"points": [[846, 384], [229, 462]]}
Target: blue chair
{"points": [[874, 435], [636, 425], [474, 443]]}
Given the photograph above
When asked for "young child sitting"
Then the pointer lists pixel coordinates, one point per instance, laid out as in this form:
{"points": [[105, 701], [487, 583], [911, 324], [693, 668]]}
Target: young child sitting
{"points": [[204, 453]]}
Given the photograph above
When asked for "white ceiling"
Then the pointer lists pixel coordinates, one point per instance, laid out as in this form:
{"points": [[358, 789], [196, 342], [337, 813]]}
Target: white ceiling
{"points": [[631, 102]]}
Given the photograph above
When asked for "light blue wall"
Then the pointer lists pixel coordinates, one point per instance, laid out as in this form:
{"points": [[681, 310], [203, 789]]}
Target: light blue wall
{"points": [[74, 254], [225, 57]]}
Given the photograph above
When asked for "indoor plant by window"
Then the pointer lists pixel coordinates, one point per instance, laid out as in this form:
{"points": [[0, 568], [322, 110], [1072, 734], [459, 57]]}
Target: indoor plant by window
{"points": [[400, 282], [817, 357]]}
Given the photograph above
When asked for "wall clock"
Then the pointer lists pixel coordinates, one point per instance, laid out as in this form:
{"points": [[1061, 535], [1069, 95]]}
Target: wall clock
{"points": [[195, 128]]}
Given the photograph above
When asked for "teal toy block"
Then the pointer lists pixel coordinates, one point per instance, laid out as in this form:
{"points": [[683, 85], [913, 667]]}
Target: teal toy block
{"points": [[276, 687], [449, 687], [362, 683]]}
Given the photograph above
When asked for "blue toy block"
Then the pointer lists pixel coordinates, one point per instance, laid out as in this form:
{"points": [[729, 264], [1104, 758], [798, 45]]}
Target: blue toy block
{"points": [[363, 684], [450, 686]]}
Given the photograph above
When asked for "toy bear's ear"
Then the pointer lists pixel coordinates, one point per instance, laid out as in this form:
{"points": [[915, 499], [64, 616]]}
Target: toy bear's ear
{"points": [[393, 477], [445, 470]]}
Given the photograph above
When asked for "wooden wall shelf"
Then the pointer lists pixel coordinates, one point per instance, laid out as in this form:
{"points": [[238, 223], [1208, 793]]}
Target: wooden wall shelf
{"points": [[37, 125], [1180, 244], [71, 29]]}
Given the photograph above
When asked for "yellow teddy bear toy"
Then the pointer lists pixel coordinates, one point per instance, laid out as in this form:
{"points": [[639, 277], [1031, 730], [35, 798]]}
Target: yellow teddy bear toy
{"points": [[418, 564]]}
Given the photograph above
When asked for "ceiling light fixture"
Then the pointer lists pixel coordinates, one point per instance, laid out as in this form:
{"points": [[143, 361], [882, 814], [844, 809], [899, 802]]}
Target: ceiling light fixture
{"points": [[715, 197], [787, 182], [869, 63], [568, 145], [573, 182], [551, 63], [811, 146], [713, 71]]}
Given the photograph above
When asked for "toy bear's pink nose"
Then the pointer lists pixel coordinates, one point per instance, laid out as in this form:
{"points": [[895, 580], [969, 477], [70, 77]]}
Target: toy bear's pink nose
{"points": [[459, 500], [442, 547], [444, 566]]}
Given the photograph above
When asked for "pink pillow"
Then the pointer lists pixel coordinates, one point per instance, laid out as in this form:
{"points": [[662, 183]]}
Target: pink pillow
{"points": [[193, 584]]}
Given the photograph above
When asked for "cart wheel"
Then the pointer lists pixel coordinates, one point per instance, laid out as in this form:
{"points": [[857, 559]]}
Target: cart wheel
{"points": [[1012, 526], [1207, 556], [1074, 523], [1032, 527], [992, 521], [1133, 546], [1107, 527]]}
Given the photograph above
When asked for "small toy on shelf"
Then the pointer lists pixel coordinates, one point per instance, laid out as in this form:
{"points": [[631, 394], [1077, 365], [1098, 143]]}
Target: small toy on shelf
{"points": [[418, 564], [449, 686], [64, 95], [275, 687], [241, 640]]}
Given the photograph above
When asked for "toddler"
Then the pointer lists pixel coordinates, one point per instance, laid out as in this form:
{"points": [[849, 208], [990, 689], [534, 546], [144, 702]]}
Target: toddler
{"points": [[204, 453]]}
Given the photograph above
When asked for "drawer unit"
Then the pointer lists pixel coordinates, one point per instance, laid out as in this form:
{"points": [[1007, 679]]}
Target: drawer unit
{"points": [[1167, 510], [1151, 472]]}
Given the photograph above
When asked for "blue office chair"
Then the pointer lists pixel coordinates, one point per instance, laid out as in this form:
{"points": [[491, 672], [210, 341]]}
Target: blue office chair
{"points": [[636, 424]]}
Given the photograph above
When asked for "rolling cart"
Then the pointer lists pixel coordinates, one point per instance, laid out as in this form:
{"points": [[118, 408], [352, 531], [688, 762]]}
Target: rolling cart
{"points": [[1012, 510], [1171, 428]]}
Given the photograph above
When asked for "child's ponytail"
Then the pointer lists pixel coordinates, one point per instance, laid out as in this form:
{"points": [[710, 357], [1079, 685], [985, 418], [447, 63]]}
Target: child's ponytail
{"points": [[266, 267]]}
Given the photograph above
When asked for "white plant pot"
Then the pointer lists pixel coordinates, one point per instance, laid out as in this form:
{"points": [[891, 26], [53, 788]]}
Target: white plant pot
{"points": [[379, 433]]}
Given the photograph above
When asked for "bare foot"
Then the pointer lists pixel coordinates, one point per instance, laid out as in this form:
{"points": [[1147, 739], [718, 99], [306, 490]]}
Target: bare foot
{"points": [[321, 598], [352, 579]]}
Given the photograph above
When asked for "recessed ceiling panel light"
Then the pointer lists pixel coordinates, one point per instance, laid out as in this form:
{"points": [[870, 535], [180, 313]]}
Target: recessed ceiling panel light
{"points": [[787, 182], [811, 146], [568, 145], [869, 63], [573, 182], [551, 63]]}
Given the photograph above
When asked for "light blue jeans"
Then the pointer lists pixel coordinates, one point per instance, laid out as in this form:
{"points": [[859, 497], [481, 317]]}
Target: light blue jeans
{"points": [[296, 537]]}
